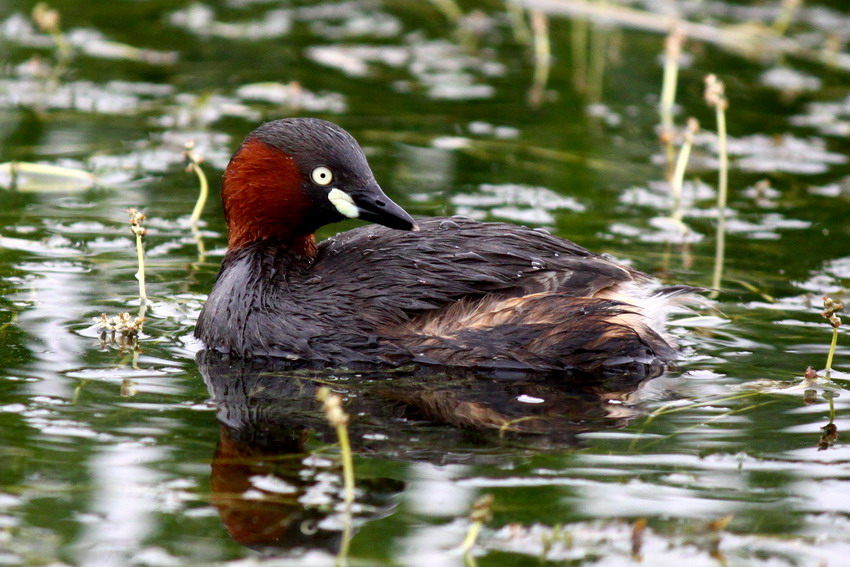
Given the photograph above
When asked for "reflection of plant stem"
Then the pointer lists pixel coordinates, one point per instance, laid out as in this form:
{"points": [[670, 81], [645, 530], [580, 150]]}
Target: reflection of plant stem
{"points": [[715, 96], [638, 529], [332, 406], [673, 407], [202, 249], [128, 388], [136, 220], [5, 326], [542, 58], [830, 430], [345, 546], [75, 397], [831, 408]]}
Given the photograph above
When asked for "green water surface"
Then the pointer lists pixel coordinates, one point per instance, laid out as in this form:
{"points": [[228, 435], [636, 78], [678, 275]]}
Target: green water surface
{"points": [[114, 456]]}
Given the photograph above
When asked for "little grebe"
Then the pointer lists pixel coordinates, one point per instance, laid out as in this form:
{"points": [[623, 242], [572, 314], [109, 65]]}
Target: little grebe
{"points": [[447, 291]]}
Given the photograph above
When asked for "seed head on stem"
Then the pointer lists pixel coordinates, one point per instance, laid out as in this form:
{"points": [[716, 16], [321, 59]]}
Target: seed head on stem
{"points": [[831, 308], [136, 220]]}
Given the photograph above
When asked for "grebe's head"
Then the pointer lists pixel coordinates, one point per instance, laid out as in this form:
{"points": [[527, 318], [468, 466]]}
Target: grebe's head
{"points": [[292, 176]]}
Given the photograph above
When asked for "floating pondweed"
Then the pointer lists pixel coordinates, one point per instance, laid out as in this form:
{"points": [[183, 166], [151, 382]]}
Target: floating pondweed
{"points": [[42, 178], [122, 330]]}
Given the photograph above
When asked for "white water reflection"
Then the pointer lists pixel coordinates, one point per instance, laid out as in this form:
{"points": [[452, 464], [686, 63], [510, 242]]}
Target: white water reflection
{"points": [[123, 487]]}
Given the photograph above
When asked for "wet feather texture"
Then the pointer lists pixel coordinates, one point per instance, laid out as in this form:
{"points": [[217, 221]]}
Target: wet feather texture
{"points": [[458, 292]]}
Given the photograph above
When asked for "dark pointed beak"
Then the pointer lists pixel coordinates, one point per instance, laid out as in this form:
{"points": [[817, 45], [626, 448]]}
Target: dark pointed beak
{"points": [[374, 206]]}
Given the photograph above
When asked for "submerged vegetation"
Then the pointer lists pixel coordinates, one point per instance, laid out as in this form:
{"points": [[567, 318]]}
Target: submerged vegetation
{"points": [[555, 114]]}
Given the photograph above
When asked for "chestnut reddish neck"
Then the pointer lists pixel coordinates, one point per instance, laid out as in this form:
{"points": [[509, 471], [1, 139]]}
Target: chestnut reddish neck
{"points": [[264, 200]]}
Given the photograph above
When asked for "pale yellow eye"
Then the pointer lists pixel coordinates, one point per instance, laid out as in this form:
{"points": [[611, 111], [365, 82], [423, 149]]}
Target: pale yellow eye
{"points": [[322, 176]]}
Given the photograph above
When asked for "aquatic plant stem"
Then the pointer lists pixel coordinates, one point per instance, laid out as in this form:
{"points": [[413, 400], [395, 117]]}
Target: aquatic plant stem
{"points": [[715, 96], [136, 220], [787, 12], [516, 16], [481, 513], [832, 350], [471, 536], [598, 57], [450, 9], [672, 53], [48, 19], [204, 186], [678, 180], [542, 58], [831, 308], [140, 275], [578, 42], [453, 12]]}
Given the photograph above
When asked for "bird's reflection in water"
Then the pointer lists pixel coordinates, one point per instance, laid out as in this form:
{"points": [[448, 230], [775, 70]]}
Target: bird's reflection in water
{"points": [[277, 490]]}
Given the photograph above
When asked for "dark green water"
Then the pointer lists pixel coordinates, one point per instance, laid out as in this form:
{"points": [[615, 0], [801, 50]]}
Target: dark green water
{"points": [[110, 459]]}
